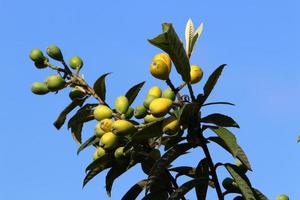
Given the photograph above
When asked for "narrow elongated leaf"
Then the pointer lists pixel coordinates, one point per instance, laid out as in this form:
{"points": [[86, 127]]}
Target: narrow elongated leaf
{"points": [[196, 36], [189, 34], [135, 190], [94, 172], [243, 158], [211, 82], [220, 120], [100, 87], [259, 195], [107, 158], [228, 138], [169, 42], [92, 140], [239, 154], [202, 171], [81, 117], [187, 171], [159, 195], [132, 93], [163, 163], [185, 188], [241, 183], [114, 172], [76, 132], [63, 115], [298, 139]]}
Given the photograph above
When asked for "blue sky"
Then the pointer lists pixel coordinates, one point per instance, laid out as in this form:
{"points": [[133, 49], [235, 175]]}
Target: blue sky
{"points": [[259, 40]]}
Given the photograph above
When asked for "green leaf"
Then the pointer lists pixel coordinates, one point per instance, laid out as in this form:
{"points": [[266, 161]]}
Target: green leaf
{"points": [[158, 195], [187, 112], [185, 188], [241, 183], [259, 195], [153, 129], [76, 132], [202, 171], [99, 86], [169, 42], [163, 163], [98, 166], [114, 172], [132, 93], [240, 154], [63, 115], [220, 120], [92, 140], [81, 117], [298, 139], [184, 170], [243, 158], [211, 82], [228, 138], [135, 190]]}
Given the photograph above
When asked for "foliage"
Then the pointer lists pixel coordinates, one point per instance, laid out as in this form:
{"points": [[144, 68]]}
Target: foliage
{"points": [[121, 141]]}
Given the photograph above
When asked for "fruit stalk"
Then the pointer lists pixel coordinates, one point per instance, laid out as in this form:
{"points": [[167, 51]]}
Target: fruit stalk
{"points": [[175, 90]]}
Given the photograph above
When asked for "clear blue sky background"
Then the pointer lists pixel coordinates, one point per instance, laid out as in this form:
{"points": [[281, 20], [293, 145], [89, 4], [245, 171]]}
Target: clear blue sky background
{"points": [[259, 40]]}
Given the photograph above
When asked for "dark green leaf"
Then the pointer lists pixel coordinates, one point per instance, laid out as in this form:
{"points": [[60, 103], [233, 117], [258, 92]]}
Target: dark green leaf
{"points": [[99, 86], [241, 183], [113, 173], [298, 139], [63, 115], [153, 129], [159, 195], [259, 195], [92, 140], [76, 132], [81, 117], [132, 93], [184, 188], [169, 42], [187, 171], [163, 163], [188, 111], [220, 120], [202, 171], [211, 82], [107, 158], [94, 172], [135, 190], [228, 138]]}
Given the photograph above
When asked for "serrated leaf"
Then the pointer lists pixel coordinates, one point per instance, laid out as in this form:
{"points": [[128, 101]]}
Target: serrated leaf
{"points": [[228, 138], [189, 34], [202, 171], [211, 82], [114, 172], [185, 188], [241, 183], [196, 36], [63, 115], [135, 190], [259, 195], [220, 120], [187, 112], [100, 87], [163, 163], [92, 140], [169, 42], [132, 93]]}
